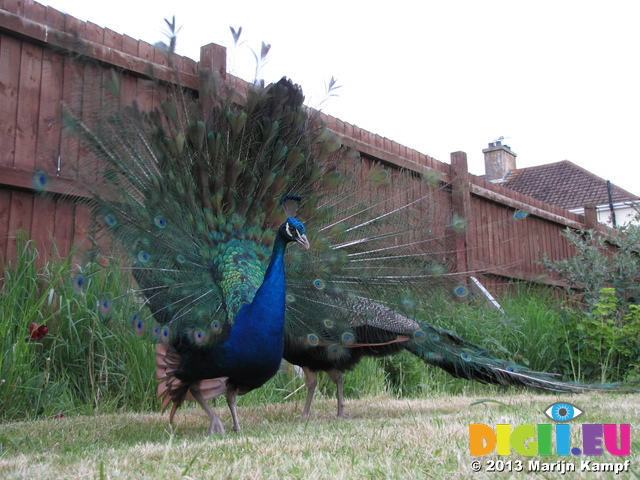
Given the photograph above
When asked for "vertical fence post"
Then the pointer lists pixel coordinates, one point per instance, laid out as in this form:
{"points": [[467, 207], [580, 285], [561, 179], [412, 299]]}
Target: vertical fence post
{"points": [[590, 217], [461, 202], [214, 57]]}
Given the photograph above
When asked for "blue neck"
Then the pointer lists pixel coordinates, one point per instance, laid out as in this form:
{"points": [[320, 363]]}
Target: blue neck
{"points": [[273, 285]]}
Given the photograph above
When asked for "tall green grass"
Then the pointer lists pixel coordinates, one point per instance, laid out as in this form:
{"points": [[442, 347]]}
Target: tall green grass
{"points": [[86, 362], [90, 362]]}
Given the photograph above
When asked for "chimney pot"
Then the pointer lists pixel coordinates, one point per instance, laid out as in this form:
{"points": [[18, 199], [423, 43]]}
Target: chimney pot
{"points": [[499, 160]]}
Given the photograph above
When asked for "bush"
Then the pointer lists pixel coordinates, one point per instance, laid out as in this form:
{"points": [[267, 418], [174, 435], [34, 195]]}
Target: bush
{"points": [[602, 328]]}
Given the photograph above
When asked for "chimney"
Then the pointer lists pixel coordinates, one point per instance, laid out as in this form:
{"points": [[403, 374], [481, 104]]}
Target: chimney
{"points": [[499, 160]]}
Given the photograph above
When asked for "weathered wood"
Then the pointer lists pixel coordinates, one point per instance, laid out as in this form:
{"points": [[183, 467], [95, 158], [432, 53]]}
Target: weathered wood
{"points": [[28, 104], [38, 45], [503, 199], [10, 81], [5, 207], [461, 204], [37, 32]]}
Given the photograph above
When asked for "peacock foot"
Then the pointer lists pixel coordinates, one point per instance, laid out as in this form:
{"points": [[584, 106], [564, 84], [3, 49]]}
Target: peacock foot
{"points": [[216, 427]]}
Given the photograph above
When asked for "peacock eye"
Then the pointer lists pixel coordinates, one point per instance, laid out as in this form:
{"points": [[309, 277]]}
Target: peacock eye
{"points": [[562, 412], [461, 291], [159, 221], [78, 283], [110, 220], [40, 180], [520, 214]]}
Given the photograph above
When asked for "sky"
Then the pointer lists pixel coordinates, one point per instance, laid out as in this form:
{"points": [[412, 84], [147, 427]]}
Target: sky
{"points": [[560, 80]]}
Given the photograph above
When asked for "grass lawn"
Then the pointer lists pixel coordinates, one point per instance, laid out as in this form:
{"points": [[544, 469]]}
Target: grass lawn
{"points": [[384, 438]]}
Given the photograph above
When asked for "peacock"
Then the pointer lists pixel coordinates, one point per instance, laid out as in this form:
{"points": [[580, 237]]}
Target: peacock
{"points": [[201, 196]]}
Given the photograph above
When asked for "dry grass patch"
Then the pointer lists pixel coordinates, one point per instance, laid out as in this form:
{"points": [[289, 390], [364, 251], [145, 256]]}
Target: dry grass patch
{"points": [[384, 438]]}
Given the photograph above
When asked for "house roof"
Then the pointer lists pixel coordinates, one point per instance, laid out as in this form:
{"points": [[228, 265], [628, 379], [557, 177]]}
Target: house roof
{"points": [[565, 185]]}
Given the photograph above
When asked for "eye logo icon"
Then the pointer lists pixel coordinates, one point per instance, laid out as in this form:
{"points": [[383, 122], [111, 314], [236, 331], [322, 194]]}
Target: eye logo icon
{"points": [[563, 412]]}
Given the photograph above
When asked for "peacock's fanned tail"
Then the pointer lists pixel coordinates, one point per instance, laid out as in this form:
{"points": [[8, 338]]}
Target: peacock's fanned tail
{"points": [[190, 193]]}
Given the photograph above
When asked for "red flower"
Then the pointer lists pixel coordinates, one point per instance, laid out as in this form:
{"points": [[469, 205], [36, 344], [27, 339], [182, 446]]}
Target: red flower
{"points": [[36, 332]]}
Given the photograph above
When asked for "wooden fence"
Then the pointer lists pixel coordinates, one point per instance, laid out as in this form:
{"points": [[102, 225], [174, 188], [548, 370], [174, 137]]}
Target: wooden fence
{"points": [[38, 73]]}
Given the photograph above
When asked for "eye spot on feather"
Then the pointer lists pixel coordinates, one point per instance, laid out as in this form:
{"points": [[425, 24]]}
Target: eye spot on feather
{"points": [[156, 333], [159, 221], [347, 338], [290, 298], [419, 336], [458, 224], [520, 215], [143, 257], [40, 180], [334, 351], [407, 304], [216, 328], [200, 337], [436, 269], [466, 357], [104, 307], [327, 323], [180, 259], [164, 335], [312, 340], [461, 291], [319, 284], [110, 220], [78, 283], [139, 326]]}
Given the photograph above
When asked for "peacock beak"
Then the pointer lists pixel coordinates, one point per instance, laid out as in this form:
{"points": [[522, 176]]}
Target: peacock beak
{"points": [[302, 240]]}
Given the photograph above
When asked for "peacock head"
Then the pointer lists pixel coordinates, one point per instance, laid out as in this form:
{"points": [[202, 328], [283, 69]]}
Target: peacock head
{"points": [[292, 230]]}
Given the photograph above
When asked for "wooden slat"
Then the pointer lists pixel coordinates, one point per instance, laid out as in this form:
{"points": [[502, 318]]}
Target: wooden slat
{"points": [[49, 113], [73, 74], [64, 226], [5, 206], [9, 79], [20, 216], [42, 227], [28, 105]]}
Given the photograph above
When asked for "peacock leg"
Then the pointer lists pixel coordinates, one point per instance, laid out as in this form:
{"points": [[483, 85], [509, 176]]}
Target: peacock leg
{"points": [[216, 423], [336, 376], [311, 380], [232, 395]]}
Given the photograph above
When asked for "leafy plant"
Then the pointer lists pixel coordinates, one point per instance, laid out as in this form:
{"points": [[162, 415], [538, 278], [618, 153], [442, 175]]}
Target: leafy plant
{"points": [[601, 261], [601, 329], [607, 339]]}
